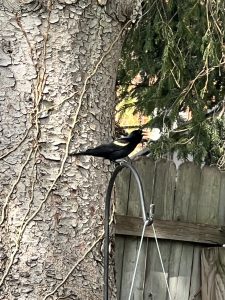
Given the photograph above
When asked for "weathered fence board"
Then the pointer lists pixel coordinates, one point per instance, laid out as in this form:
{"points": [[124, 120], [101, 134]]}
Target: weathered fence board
{"points": [[189, 206], [208, 204], [213, 274], [176, 230], [221, 210], [195, 284], [181, 256], [163, 195], [187, 192], [154, 279], [132, 207], [122, 188]]}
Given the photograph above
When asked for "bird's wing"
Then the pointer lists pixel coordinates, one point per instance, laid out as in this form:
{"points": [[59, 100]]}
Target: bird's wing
{"points": [[105, 149], [123, 140]]}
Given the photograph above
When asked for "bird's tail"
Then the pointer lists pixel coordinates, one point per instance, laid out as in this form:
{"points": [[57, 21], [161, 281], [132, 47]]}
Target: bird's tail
{"points": [[80, 153], [77, 153]]}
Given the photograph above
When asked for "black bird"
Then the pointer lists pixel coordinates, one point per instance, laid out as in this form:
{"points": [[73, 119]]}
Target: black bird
{"points": [[117, 149]]}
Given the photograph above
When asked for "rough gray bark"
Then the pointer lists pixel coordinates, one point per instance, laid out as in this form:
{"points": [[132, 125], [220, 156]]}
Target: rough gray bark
{"points": [[58, 62]]}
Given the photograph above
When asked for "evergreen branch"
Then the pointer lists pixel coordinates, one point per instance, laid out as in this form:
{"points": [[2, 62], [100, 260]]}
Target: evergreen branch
{"points": [[146, 12], [201, 74], [184, 44], [186, 142], [206, 52], [175, 79]]}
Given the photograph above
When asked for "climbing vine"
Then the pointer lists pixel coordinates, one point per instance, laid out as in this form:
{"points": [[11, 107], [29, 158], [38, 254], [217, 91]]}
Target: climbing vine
{"points": [[33, 154]]}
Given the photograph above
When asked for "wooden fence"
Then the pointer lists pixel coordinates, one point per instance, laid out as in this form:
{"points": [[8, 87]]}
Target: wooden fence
{"points": [[190, 224]]}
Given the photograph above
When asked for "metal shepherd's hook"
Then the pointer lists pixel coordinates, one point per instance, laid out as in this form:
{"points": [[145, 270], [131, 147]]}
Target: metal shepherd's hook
{"points": [[147, 220]]}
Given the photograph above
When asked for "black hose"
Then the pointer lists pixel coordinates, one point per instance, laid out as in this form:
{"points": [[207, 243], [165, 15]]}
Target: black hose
{"points": [[106, 227]]}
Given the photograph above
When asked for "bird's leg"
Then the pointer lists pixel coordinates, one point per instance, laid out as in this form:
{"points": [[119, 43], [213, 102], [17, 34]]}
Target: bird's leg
{"points": [[123, 160], [129, 160]]}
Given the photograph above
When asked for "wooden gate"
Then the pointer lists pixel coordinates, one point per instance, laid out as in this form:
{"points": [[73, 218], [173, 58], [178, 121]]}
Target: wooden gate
{"points": [[189, 218]]}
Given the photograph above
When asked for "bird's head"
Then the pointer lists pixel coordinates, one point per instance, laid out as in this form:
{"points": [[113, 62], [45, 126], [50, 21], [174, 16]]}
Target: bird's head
{"points": [[135, 136]]}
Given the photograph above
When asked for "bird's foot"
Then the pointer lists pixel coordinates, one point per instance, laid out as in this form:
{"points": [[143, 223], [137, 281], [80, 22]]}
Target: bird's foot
{"points": [[120, 161], [123, 160]]}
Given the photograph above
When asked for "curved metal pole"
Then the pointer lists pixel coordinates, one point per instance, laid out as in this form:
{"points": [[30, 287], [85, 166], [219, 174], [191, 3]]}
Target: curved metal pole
{"points": [[122, 164]]}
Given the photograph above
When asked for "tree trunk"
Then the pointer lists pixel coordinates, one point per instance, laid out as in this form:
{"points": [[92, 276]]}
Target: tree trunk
{"points": [[58, 62]]}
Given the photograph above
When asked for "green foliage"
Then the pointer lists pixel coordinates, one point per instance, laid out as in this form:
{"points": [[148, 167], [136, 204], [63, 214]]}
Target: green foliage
{"points": [[179, 46]]}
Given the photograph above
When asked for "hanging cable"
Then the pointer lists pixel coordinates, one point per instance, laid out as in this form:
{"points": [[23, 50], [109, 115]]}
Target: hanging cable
{"points": [[146, 223], [137, 259], [161, 261]]}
